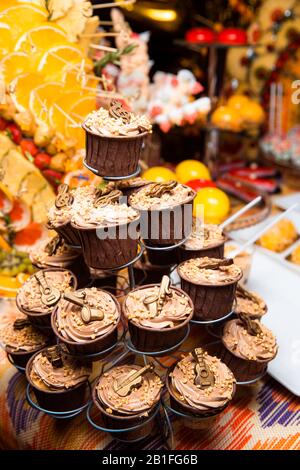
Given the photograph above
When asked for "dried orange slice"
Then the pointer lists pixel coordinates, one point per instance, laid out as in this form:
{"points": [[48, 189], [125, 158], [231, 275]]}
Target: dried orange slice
{"points": [[23, 17], [21, 87], [60, 108], [6, 39], [79, 112], [41, 38], [42, 98], [54, 61], [14, 64], [9, 286]]}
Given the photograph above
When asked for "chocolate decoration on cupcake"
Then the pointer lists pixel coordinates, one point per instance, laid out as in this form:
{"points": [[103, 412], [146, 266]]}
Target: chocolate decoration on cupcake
{"points": [[64, 198], [132, 185], [114, 140], [211, 283], [200, 385], [86, 321], [21, 340], [158, 316], [205, 241], [249, 303], [41, 292], [58, 380], [250, 346], [166, 212]]}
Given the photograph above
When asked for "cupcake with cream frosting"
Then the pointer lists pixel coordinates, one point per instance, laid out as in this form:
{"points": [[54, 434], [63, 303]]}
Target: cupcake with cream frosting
{"points": [[158, 316], [250, 346], [211, 283], [88, 328], [249, 303], [114, 140], [200, 386], [58, 380], [205, 241]]}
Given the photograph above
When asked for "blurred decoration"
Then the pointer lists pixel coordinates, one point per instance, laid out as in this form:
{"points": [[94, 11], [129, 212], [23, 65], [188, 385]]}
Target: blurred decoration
{"points": [[240, 113]]}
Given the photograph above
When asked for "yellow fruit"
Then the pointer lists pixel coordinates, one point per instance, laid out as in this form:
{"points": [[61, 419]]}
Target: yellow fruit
{"points": [[252, 113], [159, 174], [213, 204], [63, 104], [21, 87], [76, 79], [23, 17], [57, 59], [42, 98], [78, 112], [41, 38], [9, 286], [227, 118], [6, 39], [191, 170], [238, 101], [15, 64], [4, 245]]}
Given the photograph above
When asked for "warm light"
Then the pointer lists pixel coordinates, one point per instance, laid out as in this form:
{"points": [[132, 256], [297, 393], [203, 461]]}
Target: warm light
{"points": [[161, 15]]}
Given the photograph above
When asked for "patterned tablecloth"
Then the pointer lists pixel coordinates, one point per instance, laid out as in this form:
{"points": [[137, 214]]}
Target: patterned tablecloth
{"points": [[265, 416]]}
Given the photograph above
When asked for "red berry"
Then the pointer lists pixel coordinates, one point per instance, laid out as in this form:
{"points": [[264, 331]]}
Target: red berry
{"points": [[42, 160], [53, 176], [29, 146], [15, 133], [3, 124]]}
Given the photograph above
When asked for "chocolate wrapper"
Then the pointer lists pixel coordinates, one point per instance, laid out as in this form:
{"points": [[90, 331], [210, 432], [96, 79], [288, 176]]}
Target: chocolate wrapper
{"points": [[243, 370], [108, 253], [152, 340], [63, 400], [212, 252], [211, 302], [68, 233], [173, 224], [113, 156], [116, 422], [20, 358]]}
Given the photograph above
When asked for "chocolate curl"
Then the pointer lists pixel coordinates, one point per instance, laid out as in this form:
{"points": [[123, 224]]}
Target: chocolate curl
{"points": [[216, 264], [159, 189]]}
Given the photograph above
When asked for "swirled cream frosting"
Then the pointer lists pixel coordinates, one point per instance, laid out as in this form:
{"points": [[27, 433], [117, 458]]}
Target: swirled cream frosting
{"points": [[217, 396], [176, 308], [260, 347], [101, 122], [139, 399], [204, 236], [47, 377], [108, 215], [195, 271], [28, 338], [69, 321], [143, 200], [250, 303], [29, 296]]}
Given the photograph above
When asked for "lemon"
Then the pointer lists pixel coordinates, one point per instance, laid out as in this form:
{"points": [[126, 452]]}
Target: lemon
{"points": [[159, 174], [41, 38], [41, 99], [190, 170], [213, 203], [6, 39], [21, 87]]}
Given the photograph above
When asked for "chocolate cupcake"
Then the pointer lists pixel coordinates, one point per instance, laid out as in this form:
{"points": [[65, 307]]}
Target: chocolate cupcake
{"points": [[58, 380], [205, 241], [57, 254], [41, 292], [21, 340], [249, 303], [211, 284], [201, 387], [86, 321], [114, 140], [249, 347], [243, 260], [128, 396], [158, 316], [60, 214], [108, 231], [166, 212]]}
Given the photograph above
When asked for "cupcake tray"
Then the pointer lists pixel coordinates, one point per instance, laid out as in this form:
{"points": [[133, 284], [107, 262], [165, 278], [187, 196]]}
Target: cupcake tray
{"points": [[277, 281]]}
